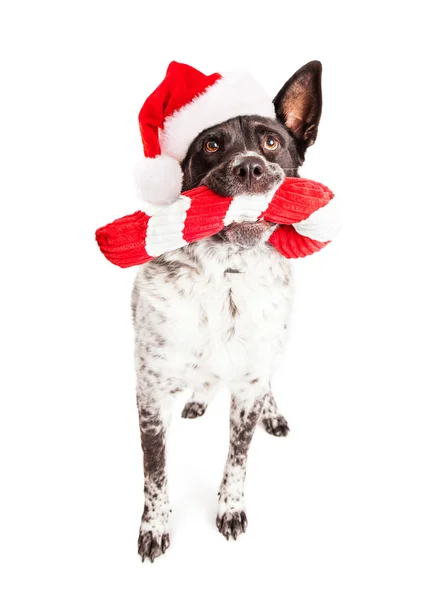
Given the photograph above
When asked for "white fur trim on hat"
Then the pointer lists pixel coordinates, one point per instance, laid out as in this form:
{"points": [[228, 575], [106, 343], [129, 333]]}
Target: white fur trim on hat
{"points": [[236, 94], [158, 180]]}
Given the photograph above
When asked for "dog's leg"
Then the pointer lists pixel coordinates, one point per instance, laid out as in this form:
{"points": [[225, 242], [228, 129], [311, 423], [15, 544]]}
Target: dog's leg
{"points": [[154, 404], [200, 400], [245, 409], [272, 420]]}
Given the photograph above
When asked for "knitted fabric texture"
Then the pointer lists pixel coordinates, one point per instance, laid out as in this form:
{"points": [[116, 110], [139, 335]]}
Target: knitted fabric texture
{"points": [[307, 221]]}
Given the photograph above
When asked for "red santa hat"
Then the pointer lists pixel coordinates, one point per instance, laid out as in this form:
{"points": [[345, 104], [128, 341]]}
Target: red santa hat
{"points": [[184, 104]]}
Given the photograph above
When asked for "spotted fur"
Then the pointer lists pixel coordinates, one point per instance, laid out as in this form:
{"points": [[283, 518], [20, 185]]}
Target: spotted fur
{"points": [[235, 302], [216, 312]]}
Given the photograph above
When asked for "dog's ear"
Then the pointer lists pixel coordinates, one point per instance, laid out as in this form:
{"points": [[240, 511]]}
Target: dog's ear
{"points": [[298, 104]]}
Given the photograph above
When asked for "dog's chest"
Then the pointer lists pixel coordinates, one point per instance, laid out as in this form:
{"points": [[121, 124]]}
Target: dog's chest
{"points": [[223, 310]]}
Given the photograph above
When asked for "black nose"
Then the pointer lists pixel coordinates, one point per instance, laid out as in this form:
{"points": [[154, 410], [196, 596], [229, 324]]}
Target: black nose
{"points": [[249, 170]]}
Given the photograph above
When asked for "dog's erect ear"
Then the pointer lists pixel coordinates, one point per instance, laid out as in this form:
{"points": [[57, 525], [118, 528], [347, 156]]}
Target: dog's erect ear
{"points": [[298, 104]]}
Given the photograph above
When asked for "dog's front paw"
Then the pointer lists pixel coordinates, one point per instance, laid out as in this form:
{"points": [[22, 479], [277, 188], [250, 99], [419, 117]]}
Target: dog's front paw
{"points": [[275, 425], [152, 541], [192, 410], [232, 523]]}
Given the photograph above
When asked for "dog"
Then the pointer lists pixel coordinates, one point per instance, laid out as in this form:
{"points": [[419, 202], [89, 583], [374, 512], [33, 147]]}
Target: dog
{"points": [[215, 312]]}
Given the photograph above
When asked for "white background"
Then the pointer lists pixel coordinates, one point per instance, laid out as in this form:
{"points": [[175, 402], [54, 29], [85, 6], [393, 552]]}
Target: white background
{"points": [[339, 508]]}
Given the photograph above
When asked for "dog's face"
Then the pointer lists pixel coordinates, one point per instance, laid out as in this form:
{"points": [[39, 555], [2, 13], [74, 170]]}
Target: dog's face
{"points": [[251, 155]]}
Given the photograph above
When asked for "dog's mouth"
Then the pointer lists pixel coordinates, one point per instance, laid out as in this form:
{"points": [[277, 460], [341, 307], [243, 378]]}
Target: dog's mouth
{"points": [[224, 181], [247, 234]]}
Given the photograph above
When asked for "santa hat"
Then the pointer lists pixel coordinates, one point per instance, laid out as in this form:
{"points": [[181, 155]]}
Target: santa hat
{"points": [[184, 104]]}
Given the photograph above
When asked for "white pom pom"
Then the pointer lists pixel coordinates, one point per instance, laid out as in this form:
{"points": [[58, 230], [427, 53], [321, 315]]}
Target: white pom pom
{"points": [[158, 180]]}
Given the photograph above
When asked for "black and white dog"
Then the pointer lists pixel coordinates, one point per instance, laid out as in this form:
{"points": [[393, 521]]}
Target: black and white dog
{"points": [[215, 313]]}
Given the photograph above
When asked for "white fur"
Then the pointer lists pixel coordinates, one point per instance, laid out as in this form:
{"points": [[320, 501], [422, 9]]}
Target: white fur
{"points": [[165, 228], [235, 94], [233, 491], [197, 318], [158, 180], [158, 511], [324, 224]]}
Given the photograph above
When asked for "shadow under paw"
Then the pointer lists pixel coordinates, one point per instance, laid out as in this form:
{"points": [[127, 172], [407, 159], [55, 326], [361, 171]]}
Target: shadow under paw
{"points": [[276, 426], [232, 524], [192, 410], [151, 545]]}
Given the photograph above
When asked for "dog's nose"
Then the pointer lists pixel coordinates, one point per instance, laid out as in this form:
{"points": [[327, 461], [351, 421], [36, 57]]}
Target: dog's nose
{"points": [[249, 170]]}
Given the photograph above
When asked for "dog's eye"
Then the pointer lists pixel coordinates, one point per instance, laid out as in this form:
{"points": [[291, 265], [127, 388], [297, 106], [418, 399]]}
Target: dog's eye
{"points": [[211, 146], [271, 143]]}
